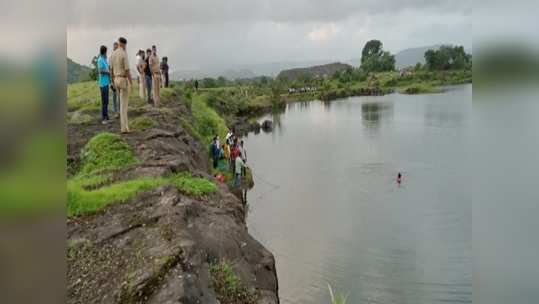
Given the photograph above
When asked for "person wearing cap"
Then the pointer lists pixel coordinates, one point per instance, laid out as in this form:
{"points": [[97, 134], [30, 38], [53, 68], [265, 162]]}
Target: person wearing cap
{"points": [[122, 80], [156, 75]]}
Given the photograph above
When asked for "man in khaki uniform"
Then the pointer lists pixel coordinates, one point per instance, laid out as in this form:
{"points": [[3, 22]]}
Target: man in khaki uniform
{"points": [[122, 80], [155, 67]]}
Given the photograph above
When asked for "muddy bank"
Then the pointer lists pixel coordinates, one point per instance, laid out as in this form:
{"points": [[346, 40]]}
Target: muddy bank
{"points": [[159, 246]]}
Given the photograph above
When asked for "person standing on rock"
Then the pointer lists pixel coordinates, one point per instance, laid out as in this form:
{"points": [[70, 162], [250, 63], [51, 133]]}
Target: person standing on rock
{"points": [[164, 70], [240, 165], [104, 82], [243, 154], [121, 78], [115, 103], [148, 76], [141, 64], [233, 155], [156, 75], [228, 137], [214, 149]]}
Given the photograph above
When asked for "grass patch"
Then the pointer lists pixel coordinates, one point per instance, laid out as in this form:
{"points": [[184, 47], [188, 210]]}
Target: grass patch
{"points": [[188, 184], [207, 122], [81, 201], [188, 127], [106, 151], [228, 287], [86, 95], [337, 298], [142, 123]]}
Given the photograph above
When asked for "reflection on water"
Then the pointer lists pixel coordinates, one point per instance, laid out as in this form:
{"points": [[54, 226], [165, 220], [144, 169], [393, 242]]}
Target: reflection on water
{"points": [[325, 201], [373, 112]]}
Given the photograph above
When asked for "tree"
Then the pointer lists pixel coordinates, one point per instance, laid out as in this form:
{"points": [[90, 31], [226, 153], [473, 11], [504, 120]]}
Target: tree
{"points": [[375, 59], [93, 72], [448, 58]]}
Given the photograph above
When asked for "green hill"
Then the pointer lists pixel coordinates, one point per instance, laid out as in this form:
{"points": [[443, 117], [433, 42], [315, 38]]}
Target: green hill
{"points": [[313, 72], [77, 72]]}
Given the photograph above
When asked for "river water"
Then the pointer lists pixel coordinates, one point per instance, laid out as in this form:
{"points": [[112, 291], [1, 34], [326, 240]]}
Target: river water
{"points": [[326, 203]]}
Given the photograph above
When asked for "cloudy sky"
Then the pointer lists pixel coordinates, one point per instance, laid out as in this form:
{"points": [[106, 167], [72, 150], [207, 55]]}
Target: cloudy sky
{"points": [[231, 33]]}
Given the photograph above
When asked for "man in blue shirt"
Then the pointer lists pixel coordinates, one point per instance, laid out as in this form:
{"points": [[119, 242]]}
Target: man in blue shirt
{"points": [[104, 82]]}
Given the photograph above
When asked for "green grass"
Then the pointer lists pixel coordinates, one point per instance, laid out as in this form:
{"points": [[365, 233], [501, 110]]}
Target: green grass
{"points": [[81, 200], [142, 123], [86, 96], [337, 298], [207, 122], [106, 151], [228, 287]]}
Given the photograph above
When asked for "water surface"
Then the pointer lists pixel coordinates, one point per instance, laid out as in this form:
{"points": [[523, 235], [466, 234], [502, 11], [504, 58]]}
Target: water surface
{"points": [[327, 205]]}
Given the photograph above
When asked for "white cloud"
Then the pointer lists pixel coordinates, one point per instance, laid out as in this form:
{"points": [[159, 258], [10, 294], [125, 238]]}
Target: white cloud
{"points": [[323, 33]]}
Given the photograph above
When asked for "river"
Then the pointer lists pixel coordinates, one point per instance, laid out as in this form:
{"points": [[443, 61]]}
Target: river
{"points": [[326, 203]]}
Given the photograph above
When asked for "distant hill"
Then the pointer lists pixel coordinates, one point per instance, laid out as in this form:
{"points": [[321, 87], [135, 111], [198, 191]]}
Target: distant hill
{"points": [[410, 57], [77, 72], [230, 74], [314, 71]]}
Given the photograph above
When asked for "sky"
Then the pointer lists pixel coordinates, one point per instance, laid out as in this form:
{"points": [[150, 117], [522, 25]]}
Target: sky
{"points": [[232, 33]]}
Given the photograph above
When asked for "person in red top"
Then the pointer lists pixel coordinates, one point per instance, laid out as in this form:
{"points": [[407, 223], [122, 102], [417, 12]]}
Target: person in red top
{"points": [[233, 154]]}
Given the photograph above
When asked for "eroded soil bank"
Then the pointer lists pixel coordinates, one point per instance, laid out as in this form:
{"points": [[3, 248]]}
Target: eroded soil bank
{"points": [[159, 247]]}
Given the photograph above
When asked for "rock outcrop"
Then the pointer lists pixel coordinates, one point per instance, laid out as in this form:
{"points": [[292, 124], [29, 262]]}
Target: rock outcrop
{"points": [[158, 247]]}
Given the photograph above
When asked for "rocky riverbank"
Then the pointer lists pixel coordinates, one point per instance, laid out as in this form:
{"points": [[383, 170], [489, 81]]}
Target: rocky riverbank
{"points": [[164, 244]]}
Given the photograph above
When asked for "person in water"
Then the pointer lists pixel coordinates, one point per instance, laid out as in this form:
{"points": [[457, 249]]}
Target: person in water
{"points": [[399, 178]]}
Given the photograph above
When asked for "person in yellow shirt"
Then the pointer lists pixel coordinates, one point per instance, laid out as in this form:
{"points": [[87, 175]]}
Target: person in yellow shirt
{"points": [[155, 68], [122, 80], [226, 152]]}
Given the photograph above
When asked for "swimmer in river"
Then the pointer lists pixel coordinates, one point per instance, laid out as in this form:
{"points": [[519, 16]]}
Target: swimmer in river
{"points": [[399, 178]]}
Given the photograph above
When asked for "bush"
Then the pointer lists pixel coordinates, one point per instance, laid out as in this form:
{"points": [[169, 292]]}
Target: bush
{"points": [[228, 287], [106, 151]]}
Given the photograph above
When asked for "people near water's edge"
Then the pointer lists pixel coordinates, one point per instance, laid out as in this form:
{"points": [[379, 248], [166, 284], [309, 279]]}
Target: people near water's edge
{"points": [[214, 152], [115, 103], [121, 78], [164, 71], [399, 178], [239, 167], [104, 83], [156, 75], [243, 154]]}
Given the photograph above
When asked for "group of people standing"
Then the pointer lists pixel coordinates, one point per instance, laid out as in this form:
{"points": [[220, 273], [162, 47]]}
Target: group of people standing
{"points": [[114, 74], [153, 75], [233, 153]]}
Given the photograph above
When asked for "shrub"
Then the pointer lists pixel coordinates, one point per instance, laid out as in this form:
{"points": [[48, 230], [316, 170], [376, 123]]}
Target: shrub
{"points": [[106, 151], [228, 287]]}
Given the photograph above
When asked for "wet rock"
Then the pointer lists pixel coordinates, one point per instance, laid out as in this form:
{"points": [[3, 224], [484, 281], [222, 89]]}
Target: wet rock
{"points": [[267, 125]]}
